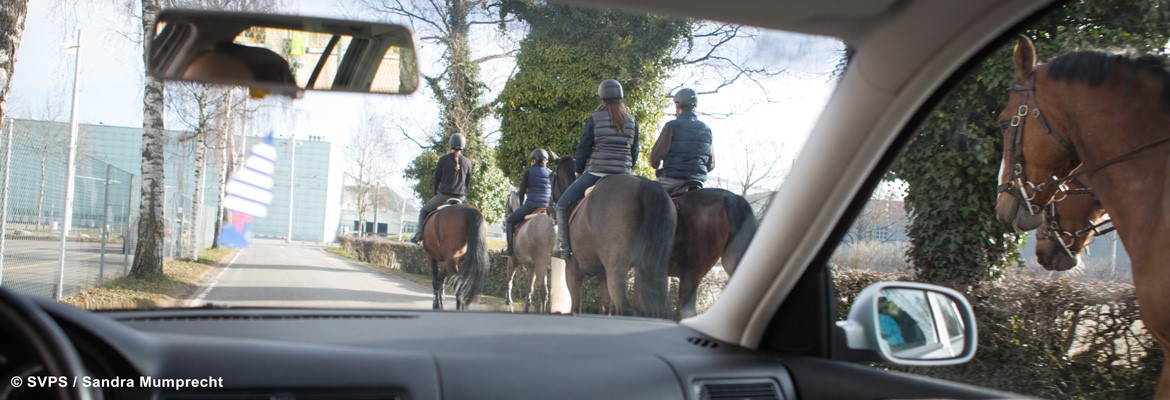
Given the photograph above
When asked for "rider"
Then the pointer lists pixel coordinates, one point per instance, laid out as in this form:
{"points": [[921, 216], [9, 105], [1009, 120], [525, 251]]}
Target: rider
{"points": [[452, 178], [609, 145], [537, 185], [684, 146]]}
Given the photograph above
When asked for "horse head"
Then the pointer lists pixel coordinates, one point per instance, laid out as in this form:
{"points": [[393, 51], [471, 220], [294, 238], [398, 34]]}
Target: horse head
{"points": [[513, 202], [1033, 150], [1070, 226], [564, 173]]}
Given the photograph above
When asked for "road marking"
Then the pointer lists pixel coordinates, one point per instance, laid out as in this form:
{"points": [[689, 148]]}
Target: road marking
{"points": [[194, 302]]}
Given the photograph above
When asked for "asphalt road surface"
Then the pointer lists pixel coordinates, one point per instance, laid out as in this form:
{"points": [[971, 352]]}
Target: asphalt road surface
{"points": [[272, 273]]}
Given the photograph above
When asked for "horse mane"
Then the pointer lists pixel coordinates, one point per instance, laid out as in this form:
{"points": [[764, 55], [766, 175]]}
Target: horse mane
{"points": [[1095, 67]]}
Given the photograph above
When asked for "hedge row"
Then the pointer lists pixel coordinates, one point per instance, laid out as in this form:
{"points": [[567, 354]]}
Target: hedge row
{"points": [[411, 258], [1046, 338]]}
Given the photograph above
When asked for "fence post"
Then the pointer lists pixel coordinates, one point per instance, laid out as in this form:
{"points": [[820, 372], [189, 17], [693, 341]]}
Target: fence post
{"points": [[105, 228], [4, 196]]}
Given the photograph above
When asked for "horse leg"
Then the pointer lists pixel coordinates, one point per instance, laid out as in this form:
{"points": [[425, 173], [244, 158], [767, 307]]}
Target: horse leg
{"points": [[437, 285], [545, 299], [511, 276], [616, 285], [460, 304], [531, 288], [573, 277]]}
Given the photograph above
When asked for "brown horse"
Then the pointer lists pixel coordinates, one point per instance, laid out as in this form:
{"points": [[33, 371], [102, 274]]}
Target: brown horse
{"points": [[534, 244], [457, 236], [1070, 225], [626, 223], [1110, 112], [712, 223]]}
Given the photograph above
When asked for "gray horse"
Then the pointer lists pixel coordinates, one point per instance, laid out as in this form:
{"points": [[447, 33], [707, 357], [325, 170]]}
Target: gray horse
{"points": [[534, 242]]}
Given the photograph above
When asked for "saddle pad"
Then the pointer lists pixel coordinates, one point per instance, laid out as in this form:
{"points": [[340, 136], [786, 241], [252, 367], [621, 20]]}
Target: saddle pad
{"points": [[535, 212]]}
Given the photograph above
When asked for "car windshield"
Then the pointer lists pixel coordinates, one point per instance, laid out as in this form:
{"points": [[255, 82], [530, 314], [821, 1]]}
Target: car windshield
{"points": [[313, 201]]}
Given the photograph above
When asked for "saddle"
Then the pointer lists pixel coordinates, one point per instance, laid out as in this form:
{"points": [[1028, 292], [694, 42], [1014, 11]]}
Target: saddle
{"points": [[684, 188], [448, 203], [528, 217]]}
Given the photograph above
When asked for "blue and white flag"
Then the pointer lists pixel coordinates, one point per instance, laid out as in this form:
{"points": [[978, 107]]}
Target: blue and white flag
{"points": [[248, 193]]}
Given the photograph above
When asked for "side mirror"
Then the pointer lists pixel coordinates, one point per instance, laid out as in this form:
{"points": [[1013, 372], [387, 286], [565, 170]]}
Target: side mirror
{"points": [[282, 54], [908, 323]]}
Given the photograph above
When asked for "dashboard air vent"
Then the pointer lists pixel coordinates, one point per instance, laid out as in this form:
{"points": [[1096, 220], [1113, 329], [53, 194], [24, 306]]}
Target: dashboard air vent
{"points": [[703, 342], [753, 389]]}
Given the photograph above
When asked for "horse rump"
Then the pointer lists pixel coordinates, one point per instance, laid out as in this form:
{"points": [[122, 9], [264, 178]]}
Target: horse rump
{"points": [[472, 275], [651, 250]]}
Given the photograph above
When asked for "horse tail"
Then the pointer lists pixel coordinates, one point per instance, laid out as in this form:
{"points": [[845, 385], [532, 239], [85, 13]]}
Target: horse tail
{"points": [[473, 270], [651, 251], [741, 227]]}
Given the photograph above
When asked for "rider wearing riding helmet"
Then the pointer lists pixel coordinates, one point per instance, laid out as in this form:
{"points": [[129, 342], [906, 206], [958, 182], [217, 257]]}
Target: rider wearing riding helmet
{"points": [[537, 186], [683, 152], [452, 178], [609, 145]]}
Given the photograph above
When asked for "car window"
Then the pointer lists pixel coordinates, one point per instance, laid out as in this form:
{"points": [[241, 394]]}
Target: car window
{"points": [[1048, 300], [326, 190]]}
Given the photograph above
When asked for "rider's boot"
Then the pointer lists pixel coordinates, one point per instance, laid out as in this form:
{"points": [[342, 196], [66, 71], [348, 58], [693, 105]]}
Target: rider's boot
{"points": [[509, 233], [422, 217], [565, 250]]}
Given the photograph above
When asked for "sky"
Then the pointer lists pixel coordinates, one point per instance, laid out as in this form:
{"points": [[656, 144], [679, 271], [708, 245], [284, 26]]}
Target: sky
{"points": [[772, 116]]}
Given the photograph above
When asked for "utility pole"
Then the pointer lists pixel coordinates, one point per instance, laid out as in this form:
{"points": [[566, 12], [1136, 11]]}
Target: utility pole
{"points": [[292, 175], [70, 172], [377, 187]]}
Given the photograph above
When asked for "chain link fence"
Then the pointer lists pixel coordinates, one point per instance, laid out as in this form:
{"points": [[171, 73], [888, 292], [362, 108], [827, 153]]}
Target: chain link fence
{"points": [[35, 257]]}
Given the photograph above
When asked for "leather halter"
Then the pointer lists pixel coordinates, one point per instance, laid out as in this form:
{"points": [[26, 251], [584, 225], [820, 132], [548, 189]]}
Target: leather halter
{"points": [[1058, 233], [1017, 181]]}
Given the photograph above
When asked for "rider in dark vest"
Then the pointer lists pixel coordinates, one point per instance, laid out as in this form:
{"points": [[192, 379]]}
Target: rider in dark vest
{"points": [[451, 180], [537, 186], [683, 152], [609, 145]]}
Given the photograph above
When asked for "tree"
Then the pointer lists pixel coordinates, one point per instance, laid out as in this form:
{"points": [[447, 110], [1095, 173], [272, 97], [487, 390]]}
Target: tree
{"points": [[952, 163], [199, 108], [459, 90], [367, 152], [560, 64], [12, 18], [148, 256]]}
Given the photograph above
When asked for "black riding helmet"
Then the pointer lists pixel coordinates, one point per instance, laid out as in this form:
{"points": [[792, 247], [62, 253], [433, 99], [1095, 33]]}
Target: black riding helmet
{"points": [[457, 141], [686, 97], [609, 89], [538, 154]]}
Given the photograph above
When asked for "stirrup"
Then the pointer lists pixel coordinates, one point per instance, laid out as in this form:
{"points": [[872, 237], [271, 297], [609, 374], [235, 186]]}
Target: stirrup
{"points": [[562, 253]]}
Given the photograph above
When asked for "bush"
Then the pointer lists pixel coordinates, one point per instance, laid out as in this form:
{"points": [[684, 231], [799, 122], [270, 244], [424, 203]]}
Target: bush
{"points": [[1046, 338]]}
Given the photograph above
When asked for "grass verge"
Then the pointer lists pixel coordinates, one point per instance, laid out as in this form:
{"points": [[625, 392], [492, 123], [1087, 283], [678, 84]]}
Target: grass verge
{"points": [[494, 303], [181, 278]]}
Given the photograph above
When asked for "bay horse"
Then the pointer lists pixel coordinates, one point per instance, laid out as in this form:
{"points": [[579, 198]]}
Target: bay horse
{"points": [[1111, 113], [456, 235], [533, 246], [1070, 226], [712, 224], [626, 223]]}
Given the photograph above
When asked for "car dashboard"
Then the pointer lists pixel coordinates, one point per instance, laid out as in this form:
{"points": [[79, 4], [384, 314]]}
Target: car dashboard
{"points": [[360, 354]]}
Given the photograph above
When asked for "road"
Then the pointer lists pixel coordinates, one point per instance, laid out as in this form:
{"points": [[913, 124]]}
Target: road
{"points": [[272, 273]]}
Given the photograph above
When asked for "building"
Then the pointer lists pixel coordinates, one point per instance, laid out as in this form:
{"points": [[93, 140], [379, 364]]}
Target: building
{"points": [[317, 179]]}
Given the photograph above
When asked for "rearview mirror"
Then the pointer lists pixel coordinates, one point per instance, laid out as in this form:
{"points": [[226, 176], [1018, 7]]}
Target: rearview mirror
{"points": [[911, 324], [282, 54]]}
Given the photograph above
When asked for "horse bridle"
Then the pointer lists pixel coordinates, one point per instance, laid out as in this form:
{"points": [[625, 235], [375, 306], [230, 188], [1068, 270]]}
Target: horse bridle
{"points": [[1058, 233], [1017, 182]]}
